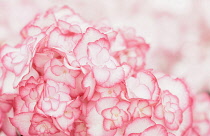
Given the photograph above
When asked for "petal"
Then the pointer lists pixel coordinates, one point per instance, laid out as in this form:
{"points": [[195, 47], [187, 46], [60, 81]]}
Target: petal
{"points": [[116, 76], [177, 88], [55, 104], [58, 112], [109, 125], [64, 122], [156, 130], [107, 113], [90, 83], [138, 125], [101, 75], [8, 128], [95, 124], [46, 105], [159, 111], [91, 35], [169, 117], [22, 121], [105, 103]]}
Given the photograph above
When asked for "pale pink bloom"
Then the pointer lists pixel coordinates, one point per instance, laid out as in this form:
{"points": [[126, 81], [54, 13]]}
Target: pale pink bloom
{"points": [[101, 59], [68, 15], [87, 53], [144, 86], [140, 108], [168, 110], [20, 106], [62, 17], [41, 125], [71, 114], [158, 130], [110, 116], [40, 24], [34, 124], [16, 59], [128, 48], [174, 107], [94, 123], [29, 94], [54, 99], [6, 104], [90, 35], [75, 78], [16, 63], [41, 58], [176, 87], [64, 37], [145, 127], [114, 118], [56, 71]]}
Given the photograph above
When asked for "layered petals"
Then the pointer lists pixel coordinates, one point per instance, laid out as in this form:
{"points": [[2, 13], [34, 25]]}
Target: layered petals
{"points": [[71, 77], [54, 99], [144, 86]]}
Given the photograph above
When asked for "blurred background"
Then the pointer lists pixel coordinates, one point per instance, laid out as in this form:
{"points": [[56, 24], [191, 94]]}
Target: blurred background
{"points": [[178, 31]]}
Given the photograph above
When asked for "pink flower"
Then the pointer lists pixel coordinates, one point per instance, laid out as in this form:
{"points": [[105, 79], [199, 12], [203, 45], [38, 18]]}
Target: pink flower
{"points": [[144, 86], [56, 71], [54, 99], [6, 104], [41, 125], [140, 108], [16, 60], [87, 52], [30, 91], [174, 107], [71, 77], [114, 118], [65, 36], [71, 114], [169, 111], [145, 127], [34, 124], [111, 115], [128, 48]]}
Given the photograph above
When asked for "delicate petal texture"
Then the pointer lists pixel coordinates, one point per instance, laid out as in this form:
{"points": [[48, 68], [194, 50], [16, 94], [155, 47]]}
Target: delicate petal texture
{"points": [[22, 121], [177, 88], [54, 98], [140, 109], [155, 130], [138, 126], [41, 125], [70, 77], [95, 124], [91, 35], [174, 107], [143, 86]]}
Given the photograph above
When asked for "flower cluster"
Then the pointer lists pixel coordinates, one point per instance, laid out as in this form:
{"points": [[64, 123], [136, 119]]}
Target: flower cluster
{"points": [[69, 77]]}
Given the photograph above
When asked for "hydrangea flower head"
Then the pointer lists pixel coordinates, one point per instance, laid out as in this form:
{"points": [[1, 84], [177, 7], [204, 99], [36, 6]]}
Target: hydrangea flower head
{"points": [[70, 77]]}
